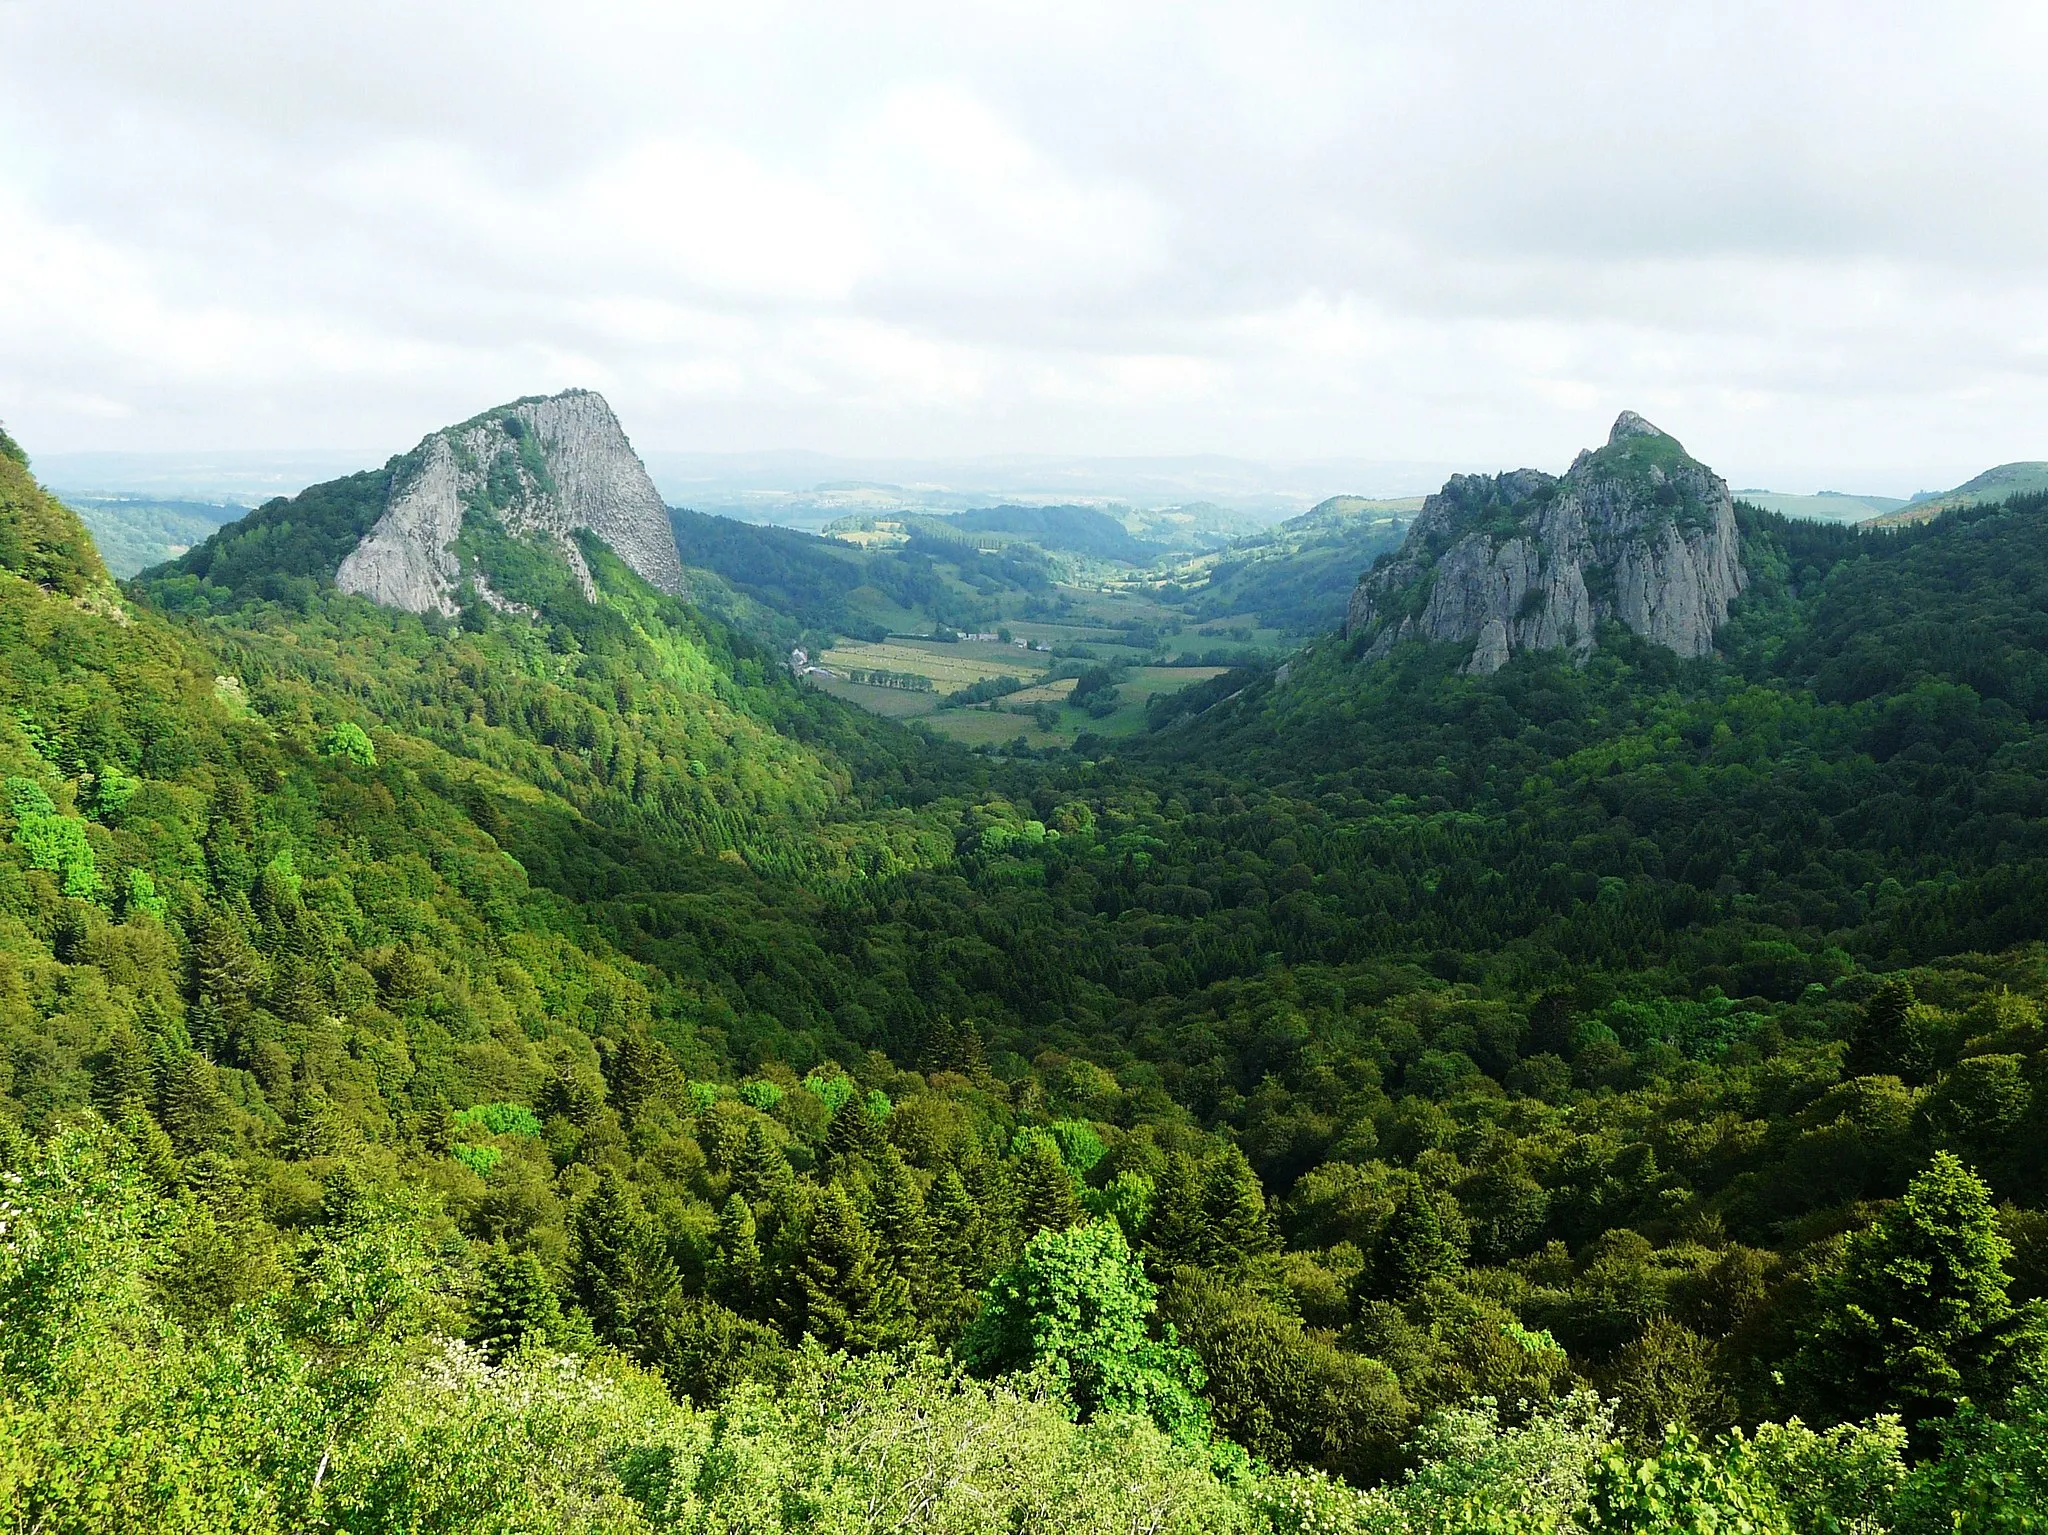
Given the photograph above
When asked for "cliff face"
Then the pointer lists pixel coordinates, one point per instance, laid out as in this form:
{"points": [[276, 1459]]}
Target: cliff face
{"points": [[1637, 531], [545, 467]]}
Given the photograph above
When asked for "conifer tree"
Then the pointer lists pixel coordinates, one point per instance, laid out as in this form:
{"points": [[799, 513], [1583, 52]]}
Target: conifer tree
{"points": [[856, 1135], [987, 1182], [1918, 1317], [1046, 1197], [194, 1113], [222, 1254], [960, 1260], [1882, 1041], [623, 1274], [123, 1071], [902, 1232], [761, 1174], [640, 1071], [736, 1265], [1176, 1231], [838, 1276], [154, 1153], [515, 1301], [1236, 1227], [1415, 1247], [225, 975]]}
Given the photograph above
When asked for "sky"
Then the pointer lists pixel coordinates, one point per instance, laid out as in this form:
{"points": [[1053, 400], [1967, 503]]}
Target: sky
{"points": [[1809, 239]]}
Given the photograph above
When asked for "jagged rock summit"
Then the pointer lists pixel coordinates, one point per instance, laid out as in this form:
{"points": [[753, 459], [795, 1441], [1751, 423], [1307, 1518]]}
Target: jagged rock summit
{"points": [[1637, 531], [544, 467]]}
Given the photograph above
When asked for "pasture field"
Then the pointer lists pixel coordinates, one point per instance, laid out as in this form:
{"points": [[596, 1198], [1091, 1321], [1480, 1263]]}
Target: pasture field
{"points": [[1053, 692], [890, 703], [999, 725], [951, 667]]}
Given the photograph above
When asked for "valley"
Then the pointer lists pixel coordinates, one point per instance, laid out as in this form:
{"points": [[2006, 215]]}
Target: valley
{"points": [[1517, 1012]]}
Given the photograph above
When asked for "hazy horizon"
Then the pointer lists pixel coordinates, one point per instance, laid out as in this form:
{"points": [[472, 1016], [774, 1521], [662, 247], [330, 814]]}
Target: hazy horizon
{"points": [[748, 484]]}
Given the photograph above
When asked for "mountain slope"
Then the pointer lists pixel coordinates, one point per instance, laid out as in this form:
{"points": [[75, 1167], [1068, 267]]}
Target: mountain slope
{"points": [[41, 541], [1823, 506], [1297, 577], [1063, 529], [1995, 484], [569, 980], [801, 579]]}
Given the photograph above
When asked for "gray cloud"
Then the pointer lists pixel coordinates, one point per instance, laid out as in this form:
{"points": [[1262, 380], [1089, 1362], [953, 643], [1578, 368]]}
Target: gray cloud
{"points": [[1806, 237]]}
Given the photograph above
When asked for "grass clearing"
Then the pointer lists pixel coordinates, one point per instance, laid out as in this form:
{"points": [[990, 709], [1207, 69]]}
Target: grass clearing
{"points": [[950, 667], [1000, 725], [1054, 692], [890, 703]]}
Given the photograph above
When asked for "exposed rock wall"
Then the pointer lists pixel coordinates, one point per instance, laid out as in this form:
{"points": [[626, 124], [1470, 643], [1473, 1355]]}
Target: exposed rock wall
{"points": [[544, 466], [1637, 531]]}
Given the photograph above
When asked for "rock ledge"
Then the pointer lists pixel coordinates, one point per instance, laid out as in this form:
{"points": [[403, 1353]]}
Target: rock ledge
{"points": [[1637, 531], [541, 466]]}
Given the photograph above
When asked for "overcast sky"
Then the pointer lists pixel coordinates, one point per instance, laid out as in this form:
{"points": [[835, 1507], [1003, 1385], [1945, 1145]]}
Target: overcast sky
{"points": [[1810, 239]]}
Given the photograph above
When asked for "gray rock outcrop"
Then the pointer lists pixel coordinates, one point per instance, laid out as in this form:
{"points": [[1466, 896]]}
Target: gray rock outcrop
{"points": [[545, 467], [1637, 531]]}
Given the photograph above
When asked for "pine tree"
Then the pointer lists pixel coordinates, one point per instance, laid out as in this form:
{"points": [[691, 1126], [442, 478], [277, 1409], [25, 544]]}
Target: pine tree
{"points": [[855, 1136], [1176, 1231], [994, 1195], [515, 1301], [623, 1274], [903, 1237], [960, 1262], [123, 1071], [1046, 1197], [640, 1072], [1415, 1248], [154, 1154], [761, 1174], [1550, 1026], [226, 974], [1236, 1226], [194, 1113], [222, 1255], [736, 1265], [838, 1275], [1918, 1317], [1882, 1042]]}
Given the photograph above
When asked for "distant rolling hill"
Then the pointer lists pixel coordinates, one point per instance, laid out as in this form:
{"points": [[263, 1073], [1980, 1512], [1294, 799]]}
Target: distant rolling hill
{"points": [[1997, 484], [136, 532], [1297, 577], [1825, 506], [1067, 529]]}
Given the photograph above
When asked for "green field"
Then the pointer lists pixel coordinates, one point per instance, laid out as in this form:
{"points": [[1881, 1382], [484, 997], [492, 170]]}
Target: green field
{"points": [[890, 703], [1005, 720], [951, 667]]}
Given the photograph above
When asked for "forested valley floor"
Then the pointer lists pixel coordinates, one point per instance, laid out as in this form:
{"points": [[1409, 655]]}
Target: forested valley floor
{"points": [[554, 1071]]}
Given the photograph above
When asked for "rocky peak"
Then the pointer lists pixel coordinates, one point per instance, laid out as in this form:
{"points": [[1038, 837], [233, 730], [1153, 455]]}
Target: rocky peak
{"points": [[1629, 424], [1637, 531], [542, 468]]}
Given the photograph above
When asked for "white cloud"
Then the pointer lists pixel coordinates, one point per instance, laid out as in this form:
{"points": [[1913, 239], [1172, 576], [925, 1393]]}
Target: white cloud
{"points": [[1802, 236]]}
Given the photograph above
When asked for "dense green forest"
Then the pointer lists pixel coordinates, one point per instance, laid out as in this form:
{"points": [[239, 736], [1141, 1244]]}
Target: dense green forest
{"points": [[1296, 578], [559, 1072]]}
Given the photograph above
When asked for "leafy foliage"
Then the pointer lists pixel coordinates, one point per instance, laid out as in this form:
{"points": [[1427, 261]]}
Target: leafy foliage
{"points": [[1425, 1052]]}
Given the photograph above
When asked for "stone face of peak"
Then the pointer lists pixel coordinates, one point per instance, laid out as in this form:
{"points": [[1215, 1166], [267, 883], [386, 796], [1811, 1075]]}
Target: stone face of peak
{"points": [[1629, 424], [542, 467], [1637, 532]]}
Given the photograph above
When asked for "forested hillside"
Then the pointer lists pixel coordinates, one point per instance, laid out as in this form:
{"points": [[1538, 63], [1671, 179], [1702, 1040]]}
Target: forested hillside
{"points": [[547, 1069]]}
